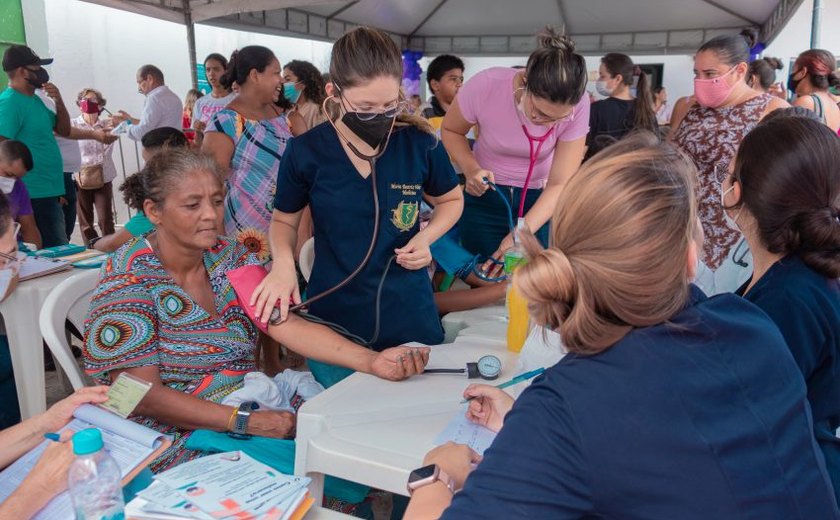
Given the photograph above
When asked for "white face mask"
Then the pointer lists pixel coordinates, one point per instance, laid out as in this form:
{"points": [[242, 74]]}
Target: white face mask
{"points": [[7, 184], [732, 222], [601, 87]]}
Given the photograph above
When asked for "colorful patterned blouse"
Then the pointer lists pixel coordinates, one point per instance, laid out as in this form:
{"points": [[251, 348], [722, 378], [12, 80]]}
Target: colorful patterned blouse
{"points": [[258, 147], [140, 317]]}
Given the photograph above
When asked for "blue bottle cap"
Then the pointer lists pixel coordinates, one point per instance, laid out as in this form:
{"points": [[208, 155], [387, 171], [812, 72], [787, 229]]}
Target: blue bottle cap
{"points": [[87, 441]]}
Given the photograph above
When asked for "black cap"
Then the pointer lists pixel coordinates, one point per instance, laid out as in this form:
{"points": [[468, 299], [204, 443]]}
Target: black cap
{"points": [[21, 56]]}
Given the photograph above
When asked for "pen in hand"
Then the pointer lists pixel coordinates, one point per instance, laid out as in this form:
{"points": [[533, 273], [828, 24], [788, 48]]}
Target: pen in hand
{"points": [[518, 379]]}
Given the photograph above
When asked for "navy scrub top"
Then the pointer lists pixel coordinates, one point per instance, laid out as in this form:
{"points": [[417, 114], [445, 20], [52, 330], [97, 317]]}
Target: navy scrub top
{"points": [[315, 170], [806, 307], [704, 417]]}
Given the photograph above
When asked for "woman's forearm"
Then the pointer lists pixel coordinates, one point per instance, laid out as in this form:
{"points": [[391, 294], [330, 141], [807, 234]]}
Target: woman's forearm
{"points": [[321, 344], [429, 502], [458, 147], [444, 217], [25, 501], [19, 439], [283, 238], [184, 410], [543, 208]]}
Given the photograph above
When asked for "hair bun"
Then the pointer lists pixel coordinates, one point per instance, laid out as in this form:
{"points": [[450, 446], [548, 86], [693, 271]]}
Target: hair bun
{"points": [[550, 38], [750, 36], [775, 63], [819, 234]]}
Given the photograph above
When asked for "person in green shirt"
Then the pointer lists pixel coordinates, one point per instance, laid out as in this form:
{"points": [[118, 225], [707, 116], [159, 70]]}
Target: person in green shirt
{"points": [[24, 117]]}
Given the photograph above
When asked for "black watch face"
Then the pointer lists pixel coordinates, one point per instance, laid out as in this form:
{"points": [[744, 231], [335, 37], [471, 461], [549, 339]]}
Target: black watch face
{"points": [[422, 473]]}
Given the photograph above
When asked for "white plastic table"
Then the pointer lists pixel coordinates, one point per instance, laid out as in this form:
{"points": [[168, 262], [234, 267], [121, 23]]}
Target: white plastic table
{"points": [[455, 322], [374, 432], [20, 314]]}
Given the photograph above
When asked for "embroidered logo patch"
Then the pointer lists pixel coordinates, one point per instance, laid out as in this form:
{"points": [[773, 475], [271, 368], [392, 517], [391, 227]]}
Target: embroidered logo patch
{"points": [[405, 215]]}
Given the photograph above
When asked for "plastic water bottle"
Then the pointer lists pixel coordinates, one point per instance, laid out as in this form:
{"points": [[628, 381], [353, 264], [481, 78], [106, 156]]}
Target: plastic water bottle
{"points": [[94, 479], [517, 308]]}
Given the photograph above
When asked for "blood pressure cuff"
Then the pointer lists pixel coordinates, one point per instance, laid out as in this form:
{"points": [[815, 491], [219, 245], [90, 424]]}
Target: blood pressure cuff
{"points": [[453, 258]]}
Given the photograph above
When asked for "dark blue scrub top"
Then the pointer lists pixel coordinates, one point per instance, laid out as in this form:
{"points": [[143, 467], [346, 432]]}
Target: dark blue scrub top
{"points": [[315, 170], [806, 307], [702, 418]]}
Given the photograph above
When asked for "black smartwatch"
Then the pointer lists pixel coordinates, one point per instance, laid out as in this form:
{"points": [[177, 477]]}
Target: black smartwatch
{"points": [[240, 424]]}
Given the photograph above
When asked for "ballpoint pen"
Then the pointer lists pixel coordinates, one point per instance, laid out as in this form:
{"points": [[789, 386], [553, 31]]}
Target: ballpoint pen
{"points": [[518, 379]]}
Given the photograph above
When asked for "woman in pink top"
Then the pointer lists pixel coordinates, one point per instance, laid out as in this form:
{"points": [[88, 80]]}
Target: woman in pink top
{"points": [[532, 130]]}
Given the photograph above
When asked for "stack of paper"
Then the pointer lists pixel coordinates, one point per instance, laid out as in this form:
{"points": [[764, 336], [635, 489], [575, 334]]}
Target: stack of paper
{"points": [[225, 485]]}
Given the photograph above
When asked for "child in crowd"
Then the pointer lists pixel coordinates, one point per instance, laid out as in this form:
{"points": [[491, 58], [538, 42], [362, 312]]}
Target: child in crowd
{"points": [[15, 161], [132, 189]]}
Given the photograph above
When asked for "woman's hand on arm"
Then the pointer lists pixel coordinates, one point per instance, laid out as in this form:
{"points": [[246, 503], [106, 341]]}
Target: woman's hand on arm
{"points": [[417, 253], [453, 133], [281, 282], [318, 342]]}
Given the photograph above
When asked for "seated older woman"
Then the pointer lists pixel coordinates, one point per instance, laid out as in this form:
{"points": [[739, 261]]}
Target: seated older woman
{"points": [[164, 311]]}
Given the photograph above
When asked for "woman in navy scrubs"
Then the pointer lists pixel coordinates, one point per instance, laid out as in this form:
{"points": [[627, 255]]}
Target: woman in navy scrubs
{"points": [[669, 405], [330, 169], [784, 194]]}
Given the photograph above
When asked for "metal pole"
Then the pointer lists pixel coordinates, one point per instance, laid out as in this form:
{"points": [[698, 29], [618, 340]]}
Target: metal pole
{"points": [[816, 23], [190, 42]]}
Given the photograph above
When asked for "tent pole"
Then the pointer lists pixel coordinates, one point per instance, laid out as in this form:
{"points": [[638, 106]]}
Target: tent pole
{"points": [[816, 23], [191, 42]]}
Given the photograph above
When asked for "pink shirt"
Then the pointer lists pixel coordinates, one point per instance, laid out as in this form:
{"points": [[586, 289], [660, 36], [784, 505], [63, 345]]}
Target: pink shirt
{"points": [[502, 147]]}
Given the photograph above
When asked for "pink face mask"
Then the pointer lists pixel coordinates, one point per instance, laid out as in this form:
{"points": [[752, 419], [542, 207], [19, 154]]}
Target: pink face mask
{"points": [[713, 92]]}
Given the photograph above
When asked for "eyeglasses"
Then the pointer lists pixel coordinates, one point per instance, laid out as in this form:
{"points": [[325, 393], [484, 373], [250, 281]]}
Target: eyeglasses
{"points": [[367, 113], [456, 79], [540, 118]]}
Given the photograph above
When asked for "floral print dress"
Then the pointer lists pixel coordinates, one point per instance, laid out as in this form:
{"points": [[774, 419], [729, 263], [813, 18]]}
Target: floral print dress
{"points": [[710, 137]]}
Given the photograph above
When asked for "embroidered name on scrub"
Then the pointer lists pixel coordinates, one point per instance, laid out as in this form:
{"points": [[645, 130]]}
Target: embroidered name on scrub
{"points": [[404, 216]]}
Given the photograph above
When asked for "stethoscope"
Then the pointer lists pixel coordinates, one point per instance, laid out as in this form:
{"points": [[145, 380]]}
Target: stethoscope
{"points": [[535, 144]]}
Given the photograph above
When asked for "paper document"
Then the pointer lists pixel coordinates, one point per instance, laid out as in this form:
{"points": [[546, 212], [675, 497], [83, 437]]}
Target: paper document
{"points": [[461, 431], [235, 485], [129, 443]]}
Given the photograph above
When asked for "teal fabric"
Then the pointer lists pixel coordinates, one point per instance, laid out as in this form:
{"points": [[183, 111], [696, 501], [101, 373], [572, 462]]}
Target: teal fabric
{"points": [[277, 453], [139, 224], [326, 374]]}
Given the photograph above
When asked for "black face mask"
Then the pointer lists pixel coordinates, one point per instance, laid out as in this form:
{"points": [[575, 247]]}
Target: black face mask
{"points": [[41, 77], [793, 83], [372, 132]]}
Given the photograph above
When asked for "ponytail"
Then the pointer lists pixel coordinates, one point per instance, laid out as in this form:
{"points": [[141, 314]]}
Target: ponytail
{"points": [[621, 64], [645, 116]]}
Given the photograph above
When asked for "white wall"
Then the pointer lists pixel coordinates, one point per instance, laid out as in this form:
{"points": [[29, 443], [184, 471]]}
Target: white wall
{"points": [[100, 47]]}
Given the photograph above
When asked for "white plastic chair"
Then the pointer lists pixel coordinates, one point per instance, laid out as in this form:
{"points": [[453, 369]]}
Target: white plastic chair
{"points": [[70, 300], [307, 258]]}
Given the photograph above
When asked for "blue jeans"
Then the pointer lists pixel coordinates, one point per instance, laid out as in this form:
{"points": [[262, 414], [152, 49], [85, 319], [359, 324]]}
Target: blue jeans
{"points": [[70, 208], [485, 223], [49, 217]]}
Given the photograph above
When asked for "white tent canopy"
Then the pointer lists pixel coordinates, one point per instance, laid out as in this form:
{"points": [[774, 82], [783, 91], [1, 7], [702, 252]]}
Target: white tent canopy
{"points": [[488, 27]]}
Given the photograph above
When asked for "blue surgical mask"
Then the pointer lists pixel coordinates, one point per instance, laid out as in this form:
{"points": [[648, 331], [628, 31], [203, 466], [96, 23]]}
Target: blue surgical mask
{"points": [[290, 92]]}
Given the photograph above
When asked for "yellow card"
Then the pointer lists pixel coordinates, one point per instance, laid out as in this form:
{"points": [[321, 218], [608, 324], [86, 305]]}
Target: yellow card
{"points": [[125, 394]]}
